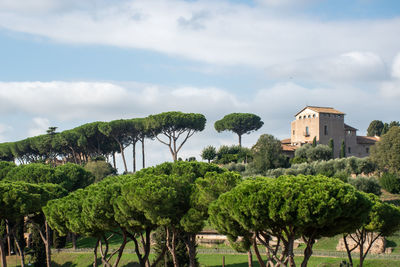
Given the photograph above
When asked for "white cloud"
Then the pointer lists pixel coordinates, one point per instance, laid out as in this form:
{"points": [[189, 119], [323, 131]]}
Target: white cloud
{"points": [[208, 31], [39, 126], [59, 103], [396, 67], [3, 131], [351, 66]]}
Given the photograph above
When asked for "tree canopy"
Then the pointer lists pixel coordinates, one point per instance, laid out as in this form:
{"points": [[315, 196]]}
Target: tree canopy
{"points": [[174, 125], [267, 154], [287, 208], [239, 123], [375, 128], [386, 152]]}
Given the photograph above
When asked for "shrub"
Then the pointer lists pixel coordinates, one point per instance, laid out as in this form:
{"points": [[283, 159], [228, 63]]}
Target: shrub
{"points": [[342, 175], [366, 184], [390, 182]]}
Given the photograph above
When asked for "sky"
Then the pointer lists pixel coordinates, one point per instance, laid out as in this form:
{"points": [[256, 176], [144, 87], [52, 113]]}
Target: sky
{"points": [[64, 63]]}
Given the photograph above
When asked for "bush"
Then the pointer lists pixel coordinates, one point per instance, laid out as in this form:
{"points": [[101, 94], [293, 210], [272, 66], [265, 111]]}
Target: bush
{"points": [[342, 175], [366, 184], [237, 167], [390, 182]]}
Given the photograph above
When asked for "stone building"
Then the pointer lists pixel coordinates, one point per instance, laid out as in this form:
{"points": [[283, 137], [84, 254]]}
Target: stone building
{"points": [[326, 123]]}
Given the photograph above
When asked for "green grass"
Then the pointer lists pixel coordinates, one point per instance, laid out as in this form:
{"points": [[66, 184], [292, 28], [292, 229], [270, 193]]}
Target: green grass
{"points": [[327, 243], [85, 260]]}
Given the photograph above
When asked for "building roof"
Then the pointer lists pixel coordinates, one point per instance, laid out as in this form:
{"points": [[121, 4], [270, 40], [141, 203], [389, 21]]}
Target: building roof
{"points": [[288, 148], [321, 110], [286, 141], [349, 128], [367, 140]]}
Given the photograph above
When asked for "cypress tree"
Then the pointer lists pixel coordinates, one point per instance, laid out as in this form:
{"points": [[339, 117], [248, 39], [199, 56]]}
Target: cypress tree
{"points": [[331, 146], [343, 150], [314, 141]]}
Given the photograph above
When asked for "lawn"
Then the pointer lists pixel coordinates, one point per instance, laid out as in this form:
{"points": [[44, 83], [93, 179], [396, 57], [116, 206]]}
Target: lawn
{"points": [[85, 260]]}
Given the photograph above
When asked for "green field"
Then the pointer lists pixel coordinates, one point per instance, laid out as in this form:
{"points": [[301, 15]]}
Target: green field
{"points": [[85, 260]]}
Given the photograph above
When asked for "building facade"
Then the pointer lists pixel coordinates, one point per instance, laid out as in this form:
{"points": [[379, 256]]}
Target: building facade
{"points": [[324, 124]]}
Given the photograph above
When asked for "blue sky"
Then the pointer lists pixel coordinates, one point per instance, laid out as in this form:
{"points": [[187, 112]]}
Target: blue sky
{"points": [[69, 62]]}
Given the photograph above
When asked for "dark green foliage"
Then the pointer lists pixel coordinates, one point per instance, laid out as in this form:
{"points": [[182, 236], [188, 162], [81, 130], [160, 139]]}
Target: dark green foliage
{"points": [[173, 125], [385, 128], [342, 150], [239, 123], [70, 176], [375, 128], [289, 207], [390, 182], [38, 251], [386, 152], [309, 153], [100, 169], [209, 153], [235, 154], [366, 184], [5, 168], [267, 154], [332, 147], [159, 238], [314, 141], [339, 168]]}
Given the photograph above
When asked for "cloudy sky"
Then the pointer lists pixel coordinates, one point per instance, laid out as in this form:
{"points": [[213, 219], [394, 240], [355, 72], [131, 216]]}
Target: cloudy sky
{"points": [[68, 62]]}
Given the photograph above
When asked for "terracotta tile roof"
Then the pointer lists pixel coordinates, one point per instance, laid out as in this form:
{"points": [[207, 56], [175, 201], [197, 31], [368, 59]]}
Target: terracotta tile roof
{"points": [[322, 110], [288, 147], [349, 128], [286, 141], [367, 139]]}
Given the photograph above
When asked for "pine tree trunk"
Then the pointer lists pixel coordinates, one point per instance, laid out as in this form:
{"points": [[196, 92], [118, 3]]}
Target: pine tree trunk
{"points": [[240, 140], [3, 254], [143, 159], [250, 258], [308, 252], [134, 156], [73, 237], [123, 158], [47, 244], [259, 258], [191, 247]]}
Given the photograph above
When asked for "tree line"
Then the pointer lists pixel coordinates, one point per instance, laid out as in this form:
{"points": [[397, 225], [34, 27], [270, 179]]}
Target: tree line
{"points": [[105, 139], [177, 198]]}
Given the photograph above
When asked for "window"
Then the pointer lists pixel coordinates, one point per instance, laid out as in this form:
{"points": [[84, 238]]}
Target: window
{"points": [[326, 129], [307, 131], [313, 115], [293, 132], [349, 150], [309, 116], [367, 150]]}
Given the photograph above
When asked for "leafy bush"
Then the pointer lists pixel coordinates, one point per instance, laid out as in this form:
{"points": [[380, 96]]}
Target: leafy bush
{"points": [[100, 169], [390, 182], [339, 168], [342, 175], [366, 184], [237, 167]]}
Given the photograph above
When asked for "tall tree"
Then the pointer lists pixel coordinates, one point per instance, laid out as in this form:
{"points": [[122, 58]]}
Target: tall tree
{"points": [[383, 220], [174, 125], [332, 147], [239, 123], [209, 153], [267, 154], [286, 208], [20, 199], [375, 128], [120, 131], [343, 150], [386, 152]]}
